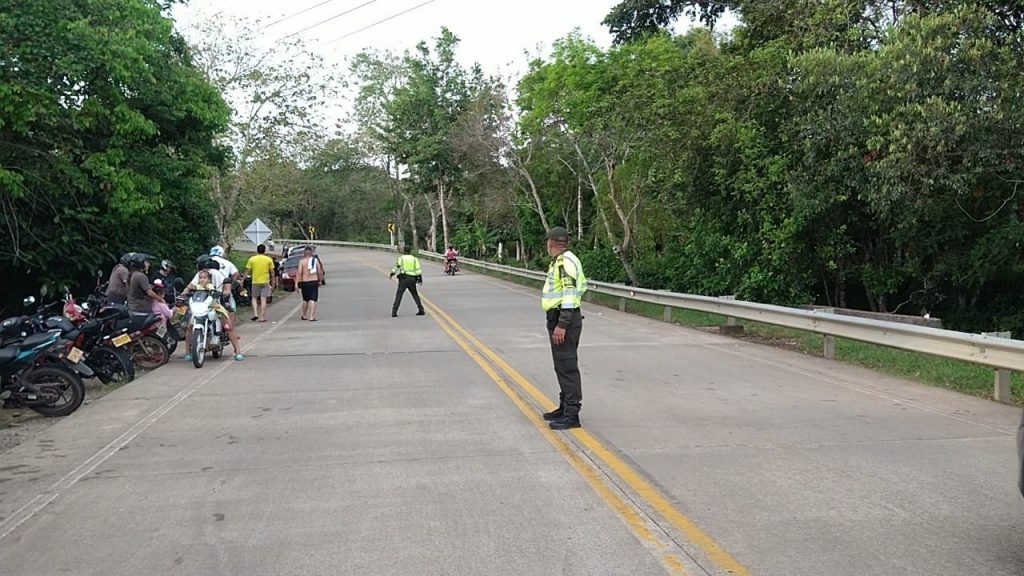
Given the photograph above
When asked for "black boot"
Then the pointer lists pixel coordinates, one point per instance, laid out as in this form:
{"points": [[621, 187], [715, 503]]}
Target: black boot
{"points": [[554, 414], [421, 313], [566, 422]]}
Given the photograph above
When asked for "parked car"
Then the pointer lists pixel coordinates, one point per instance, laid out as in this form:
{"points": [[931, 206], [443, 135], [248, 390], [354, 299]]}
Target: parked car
{"points": [[289, 270], [297, 250]]}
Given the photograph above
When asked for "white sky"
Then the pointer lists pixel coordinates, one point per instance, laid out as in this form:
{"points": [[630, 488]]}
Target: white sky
{"points": [[494, 33]]}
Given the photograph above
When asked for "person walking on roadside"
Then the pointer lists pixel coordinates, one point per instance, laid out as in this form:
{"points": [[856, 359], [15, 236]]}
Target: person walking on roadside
{"points": [[409, 273], [261, 267], [561, 300], [308, 279]]}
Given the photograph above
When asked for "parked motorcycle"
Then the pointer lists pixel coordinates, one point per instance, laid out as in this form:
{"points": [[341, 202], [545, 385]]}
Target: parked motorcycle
{"points": [[29, 379], [106, 348], [20, 327], [207, 333]]}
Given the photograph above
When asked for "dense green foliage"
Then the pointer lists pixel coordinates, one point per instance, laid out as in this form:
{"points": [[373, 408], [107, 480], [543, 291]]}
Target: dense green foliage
{"points": [[856, 153], [106, 137]]}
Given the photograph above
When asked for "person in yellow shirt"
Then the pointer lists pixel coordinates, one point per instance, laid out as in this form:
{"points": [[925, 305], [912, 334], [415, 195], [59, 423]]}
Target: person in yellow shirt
{"points": [[261, 267]]}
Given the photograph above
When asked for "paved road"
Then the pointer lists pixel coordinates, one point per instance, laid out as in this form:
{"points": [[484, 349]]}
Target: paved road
{"points": [[367, 445]]}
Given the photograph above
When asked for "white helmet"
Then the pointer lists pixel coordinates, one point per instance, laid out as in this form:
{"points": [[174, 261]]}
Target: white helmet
{"points": [[217, 251]]}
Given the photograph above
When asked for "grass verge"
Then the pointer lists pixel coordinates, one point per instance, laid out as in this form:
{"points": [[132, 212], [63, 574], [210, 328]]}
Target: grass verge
{"points": [[964, 377]]}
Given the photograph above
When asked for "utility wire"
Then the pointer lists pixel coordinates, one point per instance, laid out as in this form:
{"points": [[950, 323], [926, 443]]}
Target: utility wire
{"points": [[293, 15], [326, 20], [379, 22]]}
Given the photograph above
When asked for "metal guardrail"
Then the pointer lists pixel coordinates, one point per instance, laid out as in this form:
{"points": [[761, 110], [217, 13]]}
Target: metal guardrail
{"points": [[364, 245], [1000, 353]]}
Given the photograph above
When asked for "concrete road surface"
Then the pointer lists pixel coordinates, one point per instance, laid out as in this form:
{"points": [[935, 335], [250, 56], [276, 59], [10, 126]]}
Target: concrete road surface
{"points": [[365, 445]]}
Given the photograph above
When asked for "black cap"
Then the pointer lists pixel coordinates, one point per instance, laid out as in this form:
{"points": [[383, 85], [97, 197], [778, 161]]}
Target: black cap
{"points": [[558, 234]]}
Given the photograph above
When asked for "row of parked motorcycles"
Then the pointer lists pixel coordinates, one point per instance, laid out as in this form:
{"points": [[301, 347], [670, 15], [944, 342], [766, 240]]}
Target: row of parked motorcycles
{"points": [[47, 354]]}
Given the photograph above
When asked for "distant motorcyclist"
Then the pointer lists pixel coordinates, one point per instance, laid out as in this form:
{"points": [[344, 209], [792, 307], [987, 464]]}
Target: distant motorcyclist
{"points": [[451, 258]]}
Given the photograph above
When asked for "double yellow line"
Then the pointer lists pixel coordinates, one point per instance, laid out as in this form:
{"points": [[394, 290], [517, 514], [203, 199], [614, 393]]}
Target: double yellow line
{"points": [[646, 529]]}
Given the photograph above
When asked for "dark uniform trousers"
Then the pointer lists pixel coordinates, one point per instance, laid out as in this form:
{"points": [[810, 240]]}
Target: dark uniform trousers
{"points": [[406, 283], [567, 365]]}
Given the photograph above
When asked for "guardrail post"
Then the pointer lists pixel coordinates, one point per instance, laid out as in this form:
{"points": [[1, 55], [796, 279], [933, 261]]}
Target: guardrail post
{"points": [[668, 314], [1002, 392], [730, 321], [830, 347], [622, 304]]}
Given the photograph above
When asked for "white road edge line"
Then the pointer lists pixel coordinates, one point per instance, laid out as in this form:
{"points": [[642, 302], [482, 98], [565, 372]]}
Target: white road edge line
{"points": [[43, 499]]}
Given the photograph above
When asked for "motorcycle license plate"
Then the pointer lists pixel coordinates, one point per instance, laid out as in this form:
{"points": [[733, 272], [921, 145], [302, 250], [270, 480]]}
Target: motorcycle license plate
{"points": [[122, 340], [75, 355], [162, 331]]}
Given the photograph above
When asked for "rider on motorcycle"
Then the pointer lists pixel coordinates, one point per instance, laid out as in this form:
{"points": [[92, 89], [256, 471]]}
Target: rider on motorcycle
{"points": [[451, 258], [210, 278], [140, 292], [165, 275]]}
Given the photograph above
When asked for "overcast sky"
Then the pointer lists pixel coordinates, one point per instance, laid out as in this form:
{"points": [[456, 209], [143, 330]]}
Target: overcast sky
{"points": [[494, 33]]}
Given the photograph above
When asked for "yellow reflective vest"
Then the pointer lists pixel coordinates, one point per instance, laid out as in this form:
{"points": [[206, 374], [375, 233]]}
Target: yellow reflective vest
{"points": [[566, 283], [408, 265]]}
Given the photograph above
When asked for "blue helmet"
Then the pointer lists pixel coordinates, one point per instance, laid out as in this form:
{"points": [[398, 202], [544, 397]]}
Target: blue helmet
{"points": [[217, 251]]}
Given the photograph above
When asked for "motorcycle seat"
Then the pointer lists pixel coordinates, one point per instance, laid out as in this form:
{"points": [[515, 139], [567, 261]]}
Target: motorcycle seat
{"points": [[34, 340], [8, 354]]}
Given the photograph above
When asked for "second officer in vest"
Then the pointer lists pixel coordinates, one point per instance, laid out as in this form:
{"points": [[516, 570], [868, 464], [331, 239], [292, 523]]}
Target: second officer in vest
{"points": [[563, 294], [409, 275]]}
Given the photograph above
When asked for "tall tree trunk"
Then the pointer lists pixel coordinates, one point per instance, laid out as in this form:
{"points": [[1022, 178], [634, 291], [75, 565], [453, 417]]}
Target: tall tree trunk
{"points": [[412, 223], [538, 206], [443, 201], [432, 234], [579, 209], [627, 229], [619, 251], [400, 204]]}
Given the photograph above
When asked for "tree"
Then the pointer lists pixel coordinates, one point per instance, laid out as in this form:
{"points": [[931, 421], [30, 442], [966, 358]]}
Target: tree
{"points": [[379, 76], [106, 135], [277, 94], [423, 114]]}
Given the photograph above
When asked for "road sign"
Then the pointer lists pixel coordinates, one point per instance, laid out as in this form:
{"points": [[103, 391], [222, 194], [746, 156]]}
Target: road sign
{"points": [[312, 232], [391, 227], [258, 232]]}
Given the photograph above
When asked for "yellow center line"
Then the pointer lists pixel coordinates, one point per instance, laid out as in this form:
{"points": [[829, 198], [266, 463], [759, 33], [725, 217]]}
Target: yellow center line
{"points": [[593, 476], [640, 485]]}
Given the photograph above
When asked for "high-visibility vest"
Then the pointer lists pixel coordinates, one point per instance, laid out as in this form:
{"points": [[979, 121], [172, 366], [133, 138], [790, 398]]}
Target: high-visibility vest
{"points": [[566, 283], [408, 265]]}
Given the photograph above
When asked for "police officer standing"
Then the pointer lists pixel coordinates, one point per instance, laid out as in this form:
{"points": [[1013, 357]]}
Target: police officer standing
{"points": [[563, 294], [409, 275]]}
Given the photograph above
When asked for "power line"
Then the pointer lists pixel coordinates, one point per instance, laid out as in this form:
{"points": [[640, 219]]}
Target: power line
{"points": [[326, 20], [303, 11], [379, 22]]}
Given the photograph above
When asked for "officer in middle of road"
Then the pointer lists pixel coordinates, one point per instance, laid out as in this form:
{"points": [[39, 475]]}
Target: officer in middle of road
{"points": [[563, 293], [409, 275]]}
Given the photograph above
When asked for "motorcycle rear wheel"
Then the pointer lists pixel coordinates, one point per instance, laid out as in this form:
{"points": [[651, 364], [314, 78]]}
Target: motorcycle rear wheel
{"points": [[60, 383], [112, 366], [150, 352]]}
